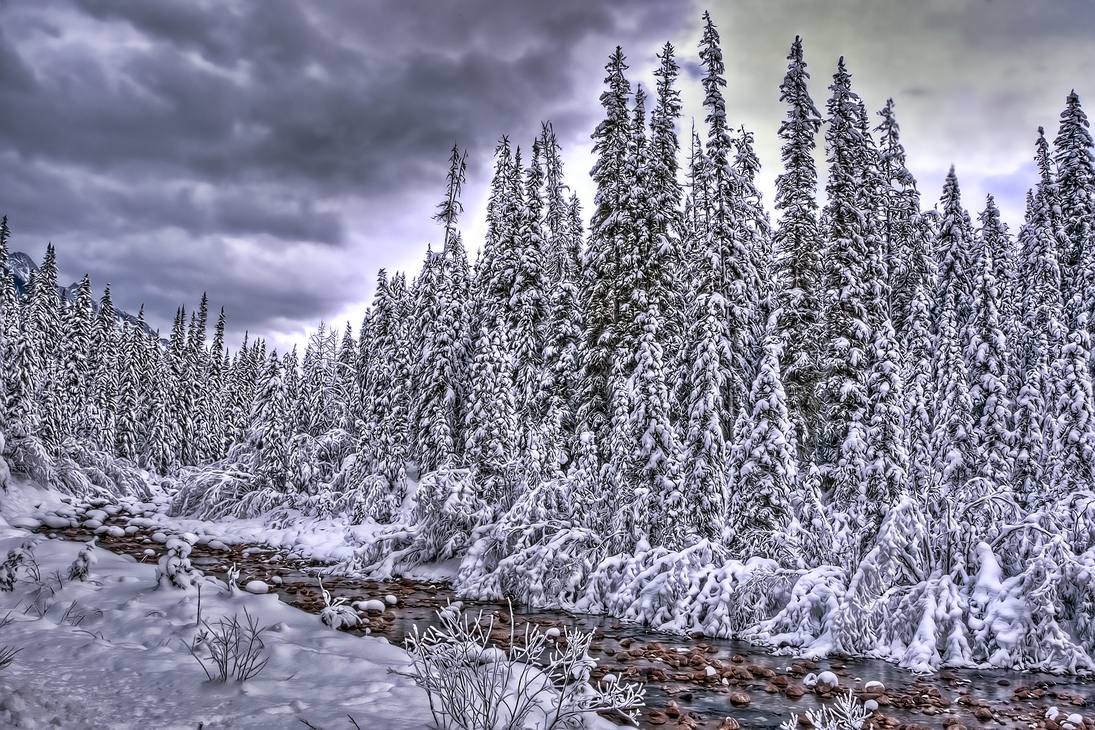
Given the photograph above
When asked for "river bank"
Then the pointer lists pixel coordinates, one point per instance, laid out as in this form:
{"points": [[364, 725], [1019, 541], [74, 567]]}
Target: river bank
{"points": [[692, 682]]}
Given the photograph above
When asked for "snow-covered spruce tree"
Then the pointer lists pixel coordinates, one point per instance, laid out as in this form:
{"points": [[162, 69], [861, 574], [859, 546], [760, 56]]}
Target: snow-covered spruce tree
{"points": [[653, 509], [75, 376], [1074, 435], [988, 355], [887, 438], [705, 466], [10, 312], [1076, 188], [44, 309], [765, 466], [664, 196], [798, 245], [952, 434], [126, 426], [602, 299], [104, 364], [1040, 332], [920, 395], [269, 435], [526, 318], [386, 394], [491, 421], [441, 296], [21, 415], [562, 360], [212, 403], [734, 228], [159, 444], [849, 320]]}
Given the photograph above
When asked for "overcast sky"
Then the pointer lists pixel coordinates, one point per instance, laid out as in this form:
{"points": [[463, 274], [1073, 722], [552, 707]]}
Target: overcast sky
{"points": [[276, 153]]}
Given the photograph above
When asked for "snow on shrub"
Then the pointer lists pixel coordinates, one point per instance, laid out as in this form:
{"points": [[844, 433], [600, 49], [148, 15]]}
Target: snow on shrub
{"points": [[175, 569], [538, 681], [447, 512]]}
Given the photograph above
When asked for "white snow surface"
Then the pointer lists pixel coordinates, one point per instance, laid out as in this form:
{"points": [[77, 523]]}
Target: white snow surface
{"points": [[113, 651], [126, 663]]}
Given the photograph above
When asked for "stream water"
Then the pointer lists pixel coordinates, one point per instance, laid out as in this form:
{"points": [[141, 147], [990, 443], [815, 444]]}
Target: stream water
{"points": [[691, 682]]}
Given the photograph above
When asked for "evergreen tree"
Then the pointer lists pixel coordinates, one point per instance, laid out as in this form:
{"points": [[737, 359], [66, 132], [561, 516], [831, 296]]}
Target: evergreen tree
{"points": [[907, 237], [798, 247], [75, 377], [653, 509], [1076, 189], [920, 394], [269, 435], [850, 323], [988, 354], [1040, 332], [1074, 437], [953, 310], [765, 460], [491, 420], [602, 299]]}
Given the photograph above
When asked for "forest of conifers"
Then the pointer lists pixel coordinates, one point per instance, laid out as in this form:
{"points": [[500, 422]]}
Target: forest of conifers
{"points": [[865, 427]]}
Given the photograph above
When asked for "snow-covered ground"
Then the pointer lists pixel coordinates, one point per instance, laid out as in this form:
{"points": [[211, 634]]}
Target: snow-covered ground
{"points": [[112, 652], [115, 650]]}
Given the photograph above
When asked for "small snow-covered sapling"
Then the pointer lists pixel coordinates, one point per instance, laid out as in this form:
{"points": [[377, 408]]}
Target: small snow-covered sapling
{"points": [[335, 613], [81, 567], [9, 569], [175, 567]]}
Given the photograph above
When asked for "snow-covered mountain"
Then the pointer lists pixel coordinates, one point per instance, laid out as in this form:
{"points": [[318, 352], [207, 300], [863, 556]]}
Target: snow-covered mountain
{"points": [[21, 266]]}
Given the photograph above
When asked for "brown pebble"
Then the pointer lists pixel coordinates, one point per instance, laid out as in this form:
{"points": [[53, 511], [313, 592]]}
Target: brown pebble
{"points": [[739, 698], [729, 724], [737, 659], [657, 717], [671, 709], [794, 691], [983, 713]]}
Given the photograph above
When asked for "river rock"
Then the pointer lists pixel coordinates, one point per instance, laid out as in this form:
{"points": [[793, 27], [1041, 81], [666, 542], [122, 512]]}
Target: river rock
{"points": [[257, 587], [741, 699], [672, 710], [657, 717], [729, 724], [983, 713], [874, 687], [758, 671], [827, 682], [794, 691]]}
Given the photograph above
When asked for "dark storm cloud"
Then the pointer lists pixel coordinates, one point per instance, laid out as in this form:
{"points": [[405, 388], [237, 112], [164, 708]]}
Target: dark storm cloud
{"points": [[181, 145]]}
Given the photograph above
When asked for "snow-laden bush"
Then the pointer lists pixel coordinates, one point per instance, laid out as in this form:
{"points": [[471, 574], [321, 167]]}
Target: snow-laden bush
{"points": [[804, 626], [336, 613], [78, 468], [9, 570], [535, 553], [211, 492], [447, 512], [695, 589], [535, 682], [847, 713], [175, 569], [81, 567]]}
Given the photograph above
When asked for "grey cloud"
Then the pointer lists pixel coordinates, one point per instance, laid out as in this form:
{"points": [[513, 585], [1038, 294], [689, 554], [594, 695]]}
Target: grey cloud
{"points": [[176, 147]]}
